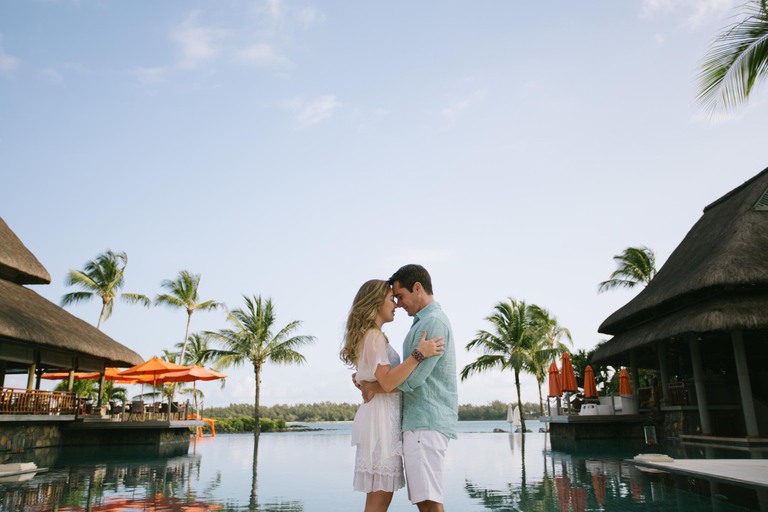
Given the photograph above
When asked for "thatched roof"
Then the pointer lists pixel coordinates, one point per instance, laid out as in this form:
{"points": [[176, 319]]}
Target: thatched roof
{"points": [[716, 280], [726, 249], [725, 313], [17, 264], [26, 316]]}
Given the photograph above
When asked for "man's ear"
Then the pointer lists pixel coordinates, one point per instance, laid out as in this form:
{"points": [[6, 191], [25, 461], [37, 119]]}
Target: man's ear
{"points": [[417, 287]]}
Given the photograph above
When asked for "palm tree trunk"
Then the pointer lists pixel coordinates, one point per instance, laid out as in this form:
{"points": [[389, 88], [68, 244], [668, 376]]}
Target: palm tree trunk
{"points": [[102, 315], [519, 399], [256, 427], [541, 399], [186, 338]]}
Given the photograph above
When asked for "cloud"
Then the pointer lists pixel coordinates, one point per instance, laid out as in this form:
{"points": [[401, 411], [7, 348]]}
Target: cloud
{"points": [[261, 54], [695, 12], [308, 16], [312, 112], [198, 44], [149, 76], [659, 39], [366, 122], [456, 108], [7, 62], [51, 75]]}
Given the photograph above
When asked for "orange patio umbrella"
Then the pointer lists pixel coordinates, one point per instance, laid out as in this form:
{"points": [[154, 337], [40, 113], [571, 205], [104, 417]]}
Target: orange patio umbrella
{"points": [[590, 388], [554, 381], [625, 387], [567, 377], [112, 374], [155, 367]]}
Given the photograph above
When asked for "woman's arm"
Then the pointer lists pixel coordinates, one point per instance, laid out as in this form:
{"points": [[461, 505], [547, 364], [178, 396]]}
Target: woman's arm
{"points": [[389, 378]]}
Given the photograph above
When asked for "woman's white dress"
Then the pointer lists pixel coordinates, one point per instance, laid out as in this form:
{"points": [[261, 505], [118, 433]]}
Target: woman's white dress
{"points": [[376, 431]]}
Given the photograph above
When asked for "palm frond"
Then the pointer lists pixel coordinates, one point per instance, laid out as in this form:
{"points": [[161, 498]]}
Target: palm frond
{"points": [[75, 298], [481, 364], [136, 298], [170, 301], [736, 61]]}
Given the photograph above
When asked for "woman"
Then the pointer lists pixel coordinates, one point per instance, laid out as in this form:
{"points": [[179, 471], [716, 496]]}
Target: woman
{"points": [[376, 431]]}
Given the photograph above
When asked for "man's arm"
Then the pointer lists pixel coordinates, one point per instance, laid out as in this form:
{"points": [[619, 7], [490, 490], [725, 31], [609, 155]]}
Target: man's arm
{"points": [[434, 328], [370, 389]]}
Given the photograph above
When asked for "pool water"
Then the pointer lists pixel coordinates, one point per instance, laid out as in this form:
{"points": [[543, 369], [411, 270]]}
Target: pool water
{"points": [[312, 471]]}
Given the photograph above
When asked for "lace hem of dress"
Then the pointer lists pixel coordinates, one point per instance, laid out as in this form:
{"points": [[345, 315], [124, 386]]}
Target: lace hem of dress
{"points": [[368, 482]]}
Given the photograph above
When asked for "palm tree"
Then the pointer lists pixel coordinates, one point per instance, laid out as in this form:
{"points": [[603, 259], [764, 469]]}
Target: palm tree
{"points": [[736, 61], [511, 344], [102, 277], [551, 345], [253, 339], [198, 355], [184, 294], [635, 265]]}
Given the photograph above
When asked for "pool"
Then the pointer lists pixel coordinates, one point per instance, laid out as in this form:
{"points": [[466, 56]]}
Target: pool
{"points": [[312, 471]]}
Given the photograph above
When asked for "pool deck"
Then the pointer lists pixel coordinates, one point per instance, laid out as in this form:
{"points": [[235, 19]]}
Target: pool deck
{"points": [[743, 472]]}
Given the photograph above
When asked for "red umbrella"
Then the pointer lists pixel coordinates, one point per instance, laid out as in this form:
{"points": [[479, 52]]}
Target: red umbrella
{"points": [[598, 483], [563, 486], [567, 377], [590, 388], [625, 387], [579, 499], [554, 381]]}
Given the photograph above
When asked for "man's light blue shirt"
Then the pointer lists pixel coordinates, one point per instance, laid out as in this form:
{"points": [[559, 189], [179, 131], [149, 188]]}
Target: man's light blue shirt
{"points": [[430, 398]]}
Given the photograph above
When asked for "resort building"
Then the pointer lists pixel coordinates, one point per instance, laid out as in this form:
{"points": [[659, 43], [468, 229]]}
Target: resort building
{"points": [[696, 338], [37, 336]]}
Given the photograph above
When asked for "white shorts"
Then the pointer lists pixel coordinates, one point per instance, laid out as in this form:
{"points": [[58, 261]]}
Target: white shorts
{"points": [[424, 454]]}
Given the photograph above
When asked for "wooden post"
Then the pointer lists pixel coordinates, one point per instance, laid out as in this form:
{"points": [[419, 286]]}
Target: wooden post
{"points": [[71, 380], [101, 388], [634, 370], [701, 392], [664, 370], [31, 376], [745, 387], [3, 368]]}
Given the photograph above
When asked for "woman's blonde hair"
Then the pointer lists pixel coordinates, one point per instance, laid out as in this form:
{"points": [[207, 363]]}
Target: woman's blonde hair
{"points": [[362, 317]]}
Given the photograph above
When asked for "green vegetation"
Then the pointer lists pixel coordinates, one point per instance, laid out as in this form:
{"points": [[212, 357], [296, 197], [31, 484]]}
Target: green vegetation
{"points": [[253, 340], [183, 294], [635, 265], [237, 425], [516, 337], [102, 277], [737, 61], [329, 411]]}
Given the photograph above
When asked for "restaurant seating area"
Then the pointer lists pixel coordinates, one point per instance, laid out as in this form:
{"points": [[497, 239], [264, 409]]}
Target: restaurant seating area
{"points": [[34, 402]]}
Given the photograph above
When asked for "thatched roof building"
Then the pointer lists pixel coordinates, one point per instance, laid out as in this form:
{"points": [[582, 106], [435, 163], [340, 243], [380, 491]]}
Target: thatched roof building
{"points": [[715, 281], [34, 331], [17, 264]]}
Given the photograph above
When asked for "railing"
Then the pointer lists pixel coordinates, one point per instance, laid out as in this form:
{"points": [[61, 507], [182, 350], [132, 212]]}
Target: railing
{"points": [[34, 401]]}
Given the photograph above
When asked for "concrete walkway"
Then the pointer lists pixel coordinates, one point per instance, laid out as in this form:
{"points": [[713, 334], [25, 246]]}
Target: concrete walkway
{"points": [[744, 472]]}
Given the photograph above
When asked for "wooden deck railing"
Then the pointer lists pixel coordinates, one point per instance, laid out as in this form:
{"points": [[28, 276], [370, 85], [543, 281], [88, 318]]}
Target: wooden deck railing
{"points": [[33, 401]]}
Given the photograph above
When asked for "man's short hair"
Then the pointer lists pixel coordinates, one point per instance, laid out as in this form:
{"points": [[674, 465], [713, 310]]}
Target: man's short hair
{"points": [[409, 275]]}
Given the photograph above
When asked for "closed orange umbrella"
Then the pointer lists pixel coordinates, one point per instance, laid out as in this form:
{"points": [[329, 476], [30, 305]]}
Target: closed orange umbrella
{"points": [[112, 374], [590, 388], [625, 387], [598, 483], [554, 381], [567, 377], [563, 486], [579, 499]]}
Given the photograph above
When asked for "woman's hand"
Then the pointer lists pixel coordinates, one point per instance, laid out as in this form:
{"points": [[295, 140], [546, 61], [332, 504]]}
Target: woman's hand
{"points": [[433, 347]]}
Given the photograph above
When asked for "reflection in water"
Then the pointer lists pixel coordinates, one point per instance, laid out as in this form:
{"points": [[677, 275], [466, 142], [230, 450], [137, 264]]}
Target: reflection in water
{"points": [[125, 478], [574, 482]]}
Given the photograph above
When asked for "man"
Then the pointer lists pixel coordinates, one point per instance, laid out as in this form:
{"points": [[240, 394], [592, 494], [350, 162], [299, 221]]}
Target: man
{"points": [[430, 399]]}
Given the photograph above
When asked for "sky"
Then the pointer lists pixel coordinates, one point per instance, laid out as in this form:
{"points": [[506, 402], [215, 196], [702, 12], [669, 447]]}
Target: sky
{"points": [[295, 149]]}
